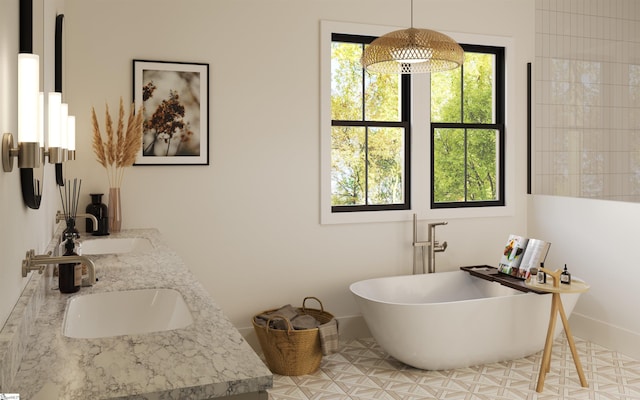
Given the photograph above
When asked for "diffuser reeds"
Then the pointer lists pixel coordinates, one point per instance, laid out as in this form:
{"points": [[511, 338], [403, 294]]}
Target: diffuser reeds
{"points": [[70, 197]]}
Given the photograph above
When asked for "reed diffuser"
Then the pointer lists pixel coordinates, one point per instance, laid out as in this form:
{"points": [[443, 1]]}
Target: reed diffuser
{"points": [[70, 197], [70, 274]]}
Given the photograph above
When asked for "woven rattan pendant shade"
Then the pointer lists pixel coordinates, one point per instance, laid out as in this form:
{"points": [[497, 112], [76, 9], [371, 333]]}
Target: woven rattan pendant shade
{"points": [[410, 51]]}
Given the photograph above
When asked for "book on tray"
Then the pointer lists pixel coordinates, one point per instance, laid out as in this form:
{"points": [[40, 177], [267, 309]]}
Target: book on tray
{"points": [[520, 254]]}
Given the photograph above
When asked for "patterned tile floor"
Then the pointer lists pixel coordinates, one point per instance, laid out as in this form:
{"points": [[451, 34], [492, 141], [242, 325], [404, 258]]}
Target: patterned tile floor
{"points": [[362, 370]]}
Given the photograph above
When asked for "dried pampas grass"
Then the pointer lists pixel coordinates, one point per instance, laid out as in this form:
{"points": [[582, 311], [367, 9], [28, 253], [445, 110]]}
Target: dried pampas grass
{"points": [[121, 147]]}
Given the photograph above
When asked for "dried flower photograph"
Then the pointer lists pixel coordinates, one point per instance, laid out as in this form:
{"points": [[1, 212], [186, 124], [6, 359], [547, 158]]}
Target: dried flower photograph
{"points": [[174, 97]]}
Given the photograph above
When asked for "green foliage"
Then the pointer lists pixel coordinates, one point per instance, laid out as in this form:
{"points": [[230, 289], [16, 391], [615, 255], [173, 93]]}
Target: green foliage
{"points": [[449, 164], [465, 159], [346, 82], [465, 179], [348, 165], [366, 162]]}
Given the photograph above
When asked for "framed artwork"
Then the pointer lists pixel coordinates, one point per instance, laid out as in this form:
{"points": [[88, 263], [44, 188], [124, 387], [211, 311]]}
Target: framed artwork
{"points": [[175, 97]]}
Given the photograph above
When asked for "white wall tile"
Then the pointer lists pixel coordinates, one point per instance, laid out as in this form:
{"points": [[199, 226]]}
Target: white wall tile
{"points": [[594, 95]]}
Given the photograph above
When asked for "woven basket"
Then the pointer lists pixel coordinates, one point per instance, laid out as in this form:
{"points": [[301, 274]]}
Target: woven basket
{"points": [[292, 352]]}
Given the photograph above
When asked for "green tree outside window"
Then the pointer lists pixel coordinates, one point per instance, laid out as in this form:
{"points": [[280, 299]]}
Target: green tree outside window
{"points": [[369, 161], [467, 131]]}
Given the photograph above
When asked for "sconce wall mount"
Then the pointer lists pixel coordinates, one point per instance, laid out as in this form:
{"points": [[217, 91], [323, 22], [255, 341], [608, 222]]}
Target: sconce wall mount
{"points": [[27, 153]]}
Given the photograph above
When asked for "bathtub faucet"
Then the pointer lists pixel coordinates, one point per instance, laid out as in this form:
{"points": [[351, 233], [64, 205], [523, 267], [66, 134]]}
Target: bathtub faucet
{"points": [[428, 260]]}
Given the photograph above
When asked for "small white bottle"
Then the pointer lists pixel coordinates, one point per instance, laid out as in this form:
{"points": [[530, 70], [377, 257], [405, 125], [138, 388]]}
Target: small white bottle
{"points": [[542, 277]]}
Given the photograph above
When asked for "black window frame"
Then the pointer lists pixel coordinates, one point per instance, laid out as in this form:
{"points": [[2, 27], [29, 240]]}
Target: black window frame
{"points": [[498, 125], [405, 123]]}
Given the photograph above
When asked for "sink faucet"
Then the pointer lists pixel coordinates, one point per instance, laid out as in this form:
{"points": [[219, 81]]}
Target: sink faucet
{"points": [[33, 262], [61, 217], [428, 263]]}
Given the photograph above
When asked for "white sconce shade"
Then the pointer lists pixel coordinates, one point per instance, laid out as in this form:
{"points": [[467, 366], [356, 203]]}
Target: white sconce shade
{"points": [[41, 119], [28, 93], [28, 150], [64, 116], [71, 133], [55, 103]]}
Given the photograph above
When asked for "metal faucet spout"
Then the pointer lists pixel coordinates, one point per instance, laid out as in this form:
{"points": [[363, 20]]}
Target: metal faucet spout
{"points": [[61, 217], [33, 262], [434, 224], [432, 245]]}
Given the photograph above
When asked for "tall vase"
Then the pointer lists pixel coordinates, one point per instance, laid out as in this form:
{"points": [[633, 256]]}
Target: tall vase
{"points": [[115, 210]]}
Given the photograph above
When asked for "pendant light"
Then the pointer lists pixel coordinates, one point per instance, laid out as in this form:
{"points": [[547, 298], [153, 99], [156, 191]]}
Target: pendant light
{"points": [[411, 51]]}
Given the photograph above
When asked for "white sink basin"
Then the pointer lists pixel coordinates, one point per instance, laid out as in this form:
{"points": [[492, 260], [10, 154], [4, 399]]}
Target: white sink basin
{"points": [[127, 312], [115, 246]]}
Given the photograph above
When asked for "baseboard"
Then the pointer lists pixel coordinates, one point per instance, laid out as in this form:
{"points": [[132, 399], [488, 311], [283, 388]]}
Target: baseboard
{"points": [[352, 327], [610, 336]]}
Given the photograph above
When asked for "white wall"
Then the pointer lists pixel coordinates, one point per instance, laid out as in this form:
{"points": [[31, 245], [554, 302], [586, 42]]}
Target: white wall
{"points": [[597, 240], [21, 228], [248, 224]]}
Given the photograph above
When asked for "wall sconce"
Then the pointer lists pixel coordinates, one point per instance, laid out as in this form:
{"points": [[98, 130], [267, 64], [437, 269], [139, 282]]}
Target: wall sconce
{"points": [[28, 150], [55, 151], [71, 138], [61, 131], [69, 148], [57, 134]]}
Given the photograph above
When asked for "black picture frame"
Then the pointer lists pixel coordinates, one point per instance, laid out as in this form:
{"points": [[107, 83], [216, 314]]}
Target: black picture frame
{"points": [[175, 97]]}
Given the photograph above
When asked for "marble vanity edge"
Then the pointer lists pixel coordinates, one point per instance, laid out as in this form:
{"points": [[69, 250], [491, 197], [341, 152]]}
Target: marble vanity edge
{"points": [[17, 330]]}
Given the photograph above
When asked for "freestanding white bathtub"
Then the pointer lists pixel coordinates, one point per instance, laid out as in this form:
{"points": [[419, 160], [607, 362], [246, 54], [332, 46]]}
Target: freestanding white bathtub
{"points": [[451, 319]]}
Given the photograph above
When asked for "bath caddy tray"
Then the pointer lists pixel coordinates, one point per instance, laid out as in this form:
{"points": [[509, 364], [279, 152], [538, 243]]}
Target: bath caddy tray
{"points": [[491, 274]]}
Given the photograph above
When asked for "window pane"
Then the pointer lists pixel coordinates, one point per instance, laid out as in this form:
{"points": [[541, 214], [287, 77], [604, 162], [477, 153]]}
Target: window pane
{"points": [[386, 161], [478, 88], [369, 133], [446, 96], [482, 154], [449, 168], [382, 97], [346, 81], [348, 165]]}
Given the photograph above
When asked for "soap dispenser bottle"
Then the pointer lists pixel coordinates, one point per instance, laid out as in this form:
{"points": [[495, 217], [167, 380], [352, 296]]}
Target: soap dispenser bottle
{"points": [[99, 210], [70, 234], [565, 277], [69, 274]]}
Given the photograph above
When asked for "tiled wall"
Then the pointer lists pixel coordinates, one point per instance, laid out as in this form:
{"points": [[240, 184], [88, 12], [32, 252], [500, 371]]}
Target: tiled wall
{"points": [[587, 99]]}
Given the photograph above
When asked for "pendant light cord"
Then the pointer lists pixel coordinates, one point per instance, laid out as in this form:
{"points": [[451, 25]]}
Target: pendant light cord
{"points": [[412, 13]]}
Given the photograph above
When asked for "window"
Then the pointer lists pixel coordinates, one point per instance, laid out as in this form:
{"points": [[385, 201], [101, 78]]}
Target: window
{"points": [[467, 131], [370, 136], [376, 135]]}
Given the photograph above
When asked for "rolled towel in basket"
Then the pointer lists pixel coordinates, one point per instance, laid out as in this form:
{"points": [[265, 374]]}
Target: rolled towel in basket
{"points": [[287, 311], [304, 321], [329, 341]]}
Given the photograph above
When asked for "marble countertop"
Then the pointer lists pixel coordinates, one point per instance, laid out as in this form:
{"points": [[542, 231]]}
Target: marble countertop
{"points": [[205, 360]]}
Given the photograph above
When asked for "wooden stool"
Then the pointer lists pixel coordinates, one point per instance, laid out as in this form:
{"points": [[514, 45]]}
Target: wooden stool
{"points": [[556, 289]]}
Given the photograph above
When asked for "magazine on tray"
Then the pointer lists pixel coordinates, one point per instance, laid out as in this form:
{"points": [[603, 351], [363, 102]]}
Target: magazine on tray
{"points": [[520, 254]]}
